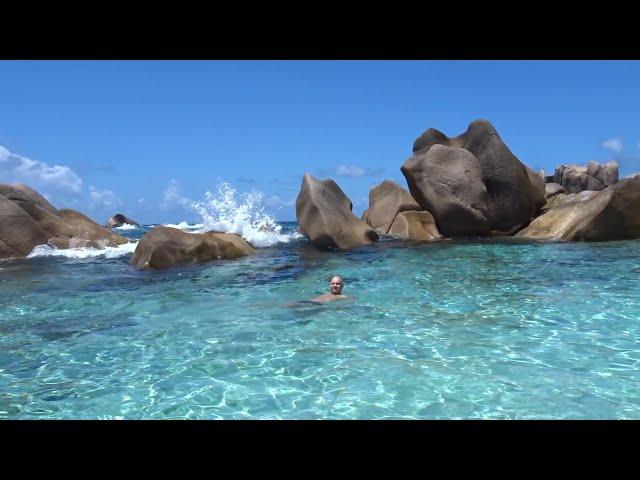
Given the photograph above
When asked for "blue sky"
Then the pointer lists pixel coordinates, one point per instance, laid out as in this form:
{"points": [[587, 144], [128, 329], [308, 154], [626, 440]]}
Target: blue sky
{"points": [[145, 138]]}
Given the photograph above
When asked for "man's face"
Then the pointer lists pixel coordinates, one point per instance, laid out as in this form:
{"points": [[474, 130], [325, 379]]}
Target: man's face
{"points": [[336, 285]]}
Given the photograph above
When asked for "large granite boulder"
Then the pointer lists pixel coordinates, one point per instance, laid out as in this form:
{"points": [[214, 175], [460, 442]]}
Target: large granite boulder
{"points": [[595, 176], [119, 220], [18, 192], [19, 233], [447, 181], [385, 202], [415, 225], [74, 229], [551, 189], [27, 219], [610, 214], [165, 247], [561, 198], [324, 215], [513, 194], [538, 184]]}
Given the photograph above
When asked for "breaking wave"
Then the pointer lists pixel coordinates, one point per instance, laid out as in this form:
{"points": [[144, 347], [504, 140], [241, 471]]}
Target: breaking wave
{"points": [[185, 226], [126, 226], [83, 252], [228, 212]]}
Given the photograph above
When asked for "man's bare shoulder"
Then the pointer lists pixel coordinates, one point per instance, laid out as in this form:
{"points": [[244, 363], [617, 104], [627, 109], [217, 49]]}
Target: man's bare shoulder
{"points": [[329, 297]]}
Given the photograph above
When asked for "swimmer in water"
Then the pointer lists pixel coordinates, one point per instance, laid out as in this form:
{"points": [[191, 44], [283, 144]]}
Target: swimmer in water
{"points": [[335, 293]]}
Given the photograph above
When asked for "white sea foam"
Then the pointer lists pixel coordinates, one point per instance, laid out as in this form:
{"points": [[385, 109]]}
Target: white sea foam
{"points": [[246, 217], [185, 226], [83, 252], [126, 226]]}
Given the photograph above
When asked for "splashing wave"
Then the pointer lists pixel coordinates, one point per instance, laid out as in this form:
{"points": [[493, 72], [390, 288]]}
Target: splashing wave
{"points": [[184, 226], [126, 226], [246, 216]]}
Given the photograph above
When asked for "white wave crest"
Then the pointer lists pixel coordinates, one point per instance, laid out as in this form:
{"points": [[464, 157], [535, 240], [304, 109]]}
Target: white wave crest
{"points": [[83, 252], [185, 226], [247, 217], [126, 226]]}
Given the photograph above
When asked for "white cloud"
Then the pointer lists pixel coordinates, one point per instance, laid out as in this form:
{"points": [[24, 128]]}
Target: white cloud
{"points": [[17, 169], [613, 144], [276, 201], [172, 195], [103, 198], [350, 171], [362, 201]]}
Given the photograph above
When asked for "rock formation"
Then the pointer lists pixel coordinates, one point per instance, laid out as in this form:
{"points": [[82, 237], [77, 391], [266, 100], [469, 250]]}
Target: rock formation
{"points": [[165, 247], [27, 219], [447, 181], [415, 225], [19, 233], [385, 202], [560, 198], [118, 220], [595, 176], [324, 215], [610, 214], [472, 184], [551, 189]]}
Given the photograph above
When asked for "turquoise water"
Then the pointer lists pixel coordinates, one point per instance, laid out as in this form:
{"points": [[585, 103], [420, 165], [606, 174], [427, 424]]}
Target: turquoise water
{"points": [[454, 329]]}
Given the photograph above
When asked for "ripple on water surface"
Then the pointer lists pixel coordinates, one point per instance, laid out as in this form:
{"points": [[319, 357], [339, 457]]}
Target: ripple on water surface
{"points": [[486, 329]]}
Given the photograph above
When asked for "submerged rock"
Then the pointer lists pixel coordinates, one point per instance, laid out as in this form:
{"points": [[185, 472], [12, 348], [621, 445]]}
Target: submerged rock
{"points": [[27, 219], [324, 215], [166, 247], [595, 176], [415, 225], [118, 220], [611, 214], [496, 192], [385, 201]]}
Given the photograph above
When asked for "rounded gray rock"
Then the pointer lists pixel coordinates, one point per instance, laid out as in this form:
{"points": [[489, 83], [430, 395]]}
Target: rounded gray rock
{"points": [[515, 193], [447, 182]]}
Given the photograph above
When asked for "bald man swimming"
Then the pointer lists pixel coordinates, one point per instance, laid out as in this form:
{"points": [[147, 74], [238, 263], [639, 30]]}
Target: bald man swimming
{"points": [[335, 293]]}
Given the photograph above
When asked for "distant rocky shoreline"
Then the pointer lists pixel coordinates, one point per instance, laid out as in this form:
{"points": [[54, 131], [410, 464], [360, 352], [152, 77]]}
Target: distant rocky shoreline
{"points": [[118, 220]]}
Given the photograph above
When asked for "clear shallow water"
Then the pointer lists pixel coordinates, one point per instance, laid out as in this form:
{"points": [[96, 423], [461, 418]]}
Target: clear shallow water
{"points": [[464, 329]]}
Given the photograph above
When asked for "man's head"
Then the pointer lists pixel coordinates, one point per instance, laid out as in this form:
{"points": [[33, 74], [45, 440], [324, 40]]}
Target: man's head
{"points": [[336, 285]]}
